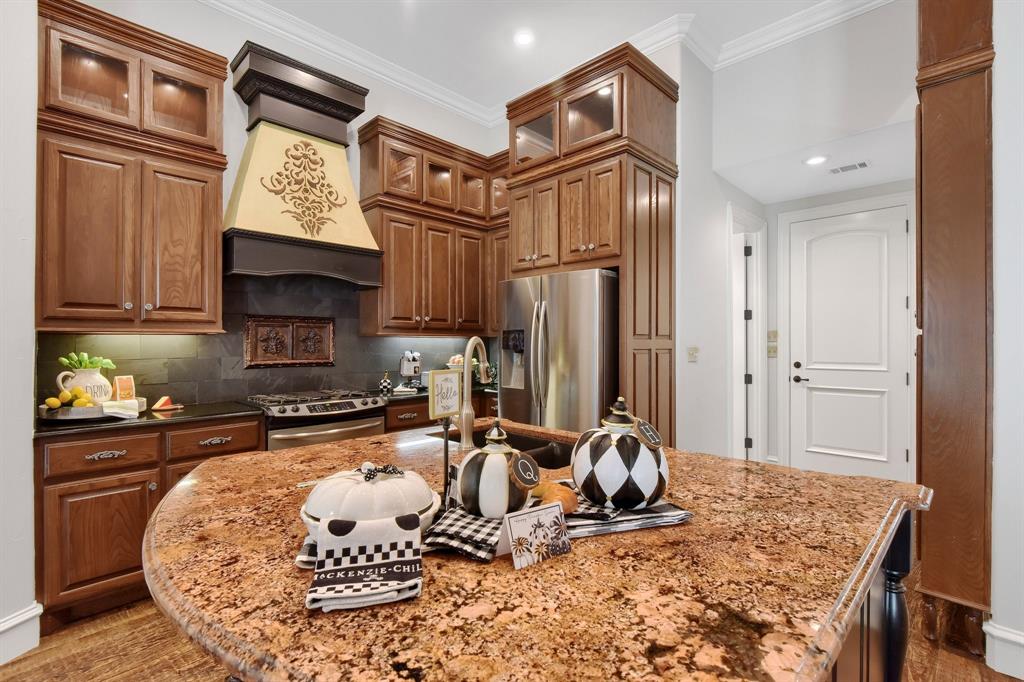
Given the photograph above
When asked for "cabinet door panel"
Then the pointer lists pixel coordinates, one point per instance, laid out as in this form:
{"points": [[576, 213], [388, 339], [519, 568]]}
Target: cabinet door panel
{"points": [[88, 234], [499, 269], [180, 103], [91, 77], [401, 166], [605, 220], [180, 233], [533, 137], [499, 196], [545, 222], [92, 534], [438, 276], [573, 216], [469, 277], [592, 114], [522, 229], [472, 191], [402, 272], [439, 185], [175, 472]]}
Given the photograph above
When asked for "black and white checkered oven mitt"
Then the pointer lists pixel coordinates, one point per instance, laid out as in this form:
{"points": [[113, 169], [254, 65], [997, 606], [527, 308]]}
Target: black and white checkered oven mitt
{"points": [[362, 563], [474, 536]]}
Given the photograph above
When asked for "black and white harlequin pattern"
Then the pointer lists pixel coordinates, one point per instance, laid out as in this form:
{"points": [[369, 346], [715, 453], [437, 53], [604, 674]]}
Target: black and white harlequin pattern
{"points": [[617, 471], [385, 386]]}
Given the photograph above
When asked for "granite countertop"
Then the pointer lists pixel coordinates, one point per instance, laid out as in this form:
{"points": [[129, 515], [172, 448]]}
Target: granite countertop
{"points": [[761, 584], [148, 418]]}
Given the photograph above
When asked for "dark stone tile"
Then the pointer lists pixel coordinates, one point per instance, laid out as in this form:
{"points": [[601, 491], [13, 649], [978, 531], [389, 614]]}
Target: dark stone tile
{"points": [[168, 346], [144, 371], [218, 345], [233, 368], [193, 369], [49, 347], [216, 391], [183, 392]]}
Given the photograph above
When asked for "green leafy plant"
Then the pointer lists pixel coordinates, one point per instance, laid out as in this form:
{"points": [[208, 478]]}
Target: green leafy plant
{"points": [[83, 361]]}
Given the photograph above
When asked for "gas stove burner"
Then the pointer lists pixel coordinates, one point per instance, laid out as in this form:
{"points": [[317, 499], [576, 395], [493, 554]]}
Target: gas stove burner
{"points": [[330, 402]]}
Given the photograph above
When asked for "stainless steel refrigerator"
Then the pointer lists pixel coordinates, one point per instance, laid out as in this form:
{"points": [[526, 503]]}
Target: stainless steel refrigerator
{"points": [[558, 349]]}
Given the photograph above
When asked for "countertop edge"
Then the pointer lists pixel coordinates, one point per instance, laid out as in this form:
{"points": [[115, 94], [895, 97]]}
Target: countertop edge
{"points": [[79, 428]]}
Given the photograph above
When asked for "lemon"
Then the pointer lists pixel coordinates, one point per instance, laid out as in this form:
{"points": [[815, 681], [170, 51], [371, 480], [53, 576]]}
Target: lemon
{"points": [[78, 392], [52, 403], [82, 402], [64, 397]]}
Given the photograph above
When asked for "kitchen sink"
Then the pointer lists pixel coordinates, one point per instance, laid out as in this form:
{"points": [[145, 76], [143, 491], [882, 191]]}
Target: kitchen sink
{"points": [[548, 454]]}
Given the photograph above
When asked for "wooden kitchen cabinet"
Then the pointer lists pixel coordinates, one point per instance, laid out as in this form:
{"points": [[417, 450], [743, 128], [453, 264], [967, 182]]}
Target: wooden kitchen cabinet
{"points": [[470, 284], [438, 276], [129, 187], [604, 185], [402, 167], [574, 216], [472, 191], [96, 490], [592, 114], [534, 226], [533, 137], [402, 264], [498, 202], [498, 270], [92, 538], [439, 184]]}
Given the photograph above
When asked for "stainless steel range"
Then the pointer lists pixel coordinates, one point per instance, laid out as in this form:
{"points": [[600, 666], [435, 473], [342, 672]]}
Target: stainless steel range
{"points": [[308, 417]]}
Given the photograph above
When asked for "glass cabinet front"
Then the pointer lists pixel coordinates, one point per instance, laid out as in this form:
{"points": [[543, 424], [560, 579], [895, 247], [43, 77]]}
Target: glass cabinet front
{"points": [[178, 103], [92, 79], [593, 114], [536, 138]]}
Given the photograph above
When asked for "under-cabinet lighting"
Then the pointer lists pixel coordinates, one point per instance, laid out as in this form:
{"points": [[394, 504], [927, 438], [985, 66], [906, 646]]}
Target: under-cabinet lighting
{"points": [[816, 160], [605, 91], [523, 37]]}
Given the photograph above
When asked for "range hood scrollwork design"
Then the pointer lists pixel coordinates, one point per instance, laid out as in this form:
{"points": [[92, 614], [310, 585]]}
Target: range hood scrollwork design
{"points": [[292, 208]]}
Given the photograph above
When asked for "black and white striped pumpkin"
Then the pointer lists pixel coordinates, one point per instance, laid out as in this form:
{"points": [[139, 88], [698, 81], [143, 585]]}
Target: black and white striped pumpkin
{"points": [[485, 481], [614, 468]]}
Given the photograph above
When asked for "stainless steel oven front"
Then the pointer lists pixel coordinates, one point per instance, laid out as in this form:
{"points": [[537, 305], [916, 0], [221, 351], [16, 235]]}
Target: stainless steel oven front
{"points": [[310, 434]]}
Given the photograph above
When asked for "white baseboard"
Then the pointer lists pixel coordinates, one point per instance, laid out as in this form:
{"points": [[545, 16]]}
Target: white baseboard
{"points": [[1004, 649], [19, 632]]}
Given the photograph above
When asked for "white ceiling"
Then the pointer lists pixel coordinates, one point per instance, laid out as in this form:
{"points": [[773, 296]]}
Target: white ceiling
{"points": [[466, 47]]}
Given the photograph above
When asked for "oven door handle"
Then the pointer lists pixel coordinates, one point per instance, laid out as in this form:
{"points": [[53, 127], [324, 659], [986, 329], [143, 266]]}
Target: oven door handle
{"points": [[329, 432]]}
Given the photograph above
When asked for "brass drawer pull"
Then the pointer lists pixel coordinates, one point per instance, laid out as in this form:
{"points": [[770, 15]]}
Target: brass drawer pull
{"points": [[106, 454], [406, 416], [216, 440]]}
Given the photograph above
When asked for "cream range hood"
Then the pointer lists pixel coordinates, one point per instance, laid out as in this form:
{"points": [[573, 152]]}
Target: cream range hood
{"points": [[293, 208]]}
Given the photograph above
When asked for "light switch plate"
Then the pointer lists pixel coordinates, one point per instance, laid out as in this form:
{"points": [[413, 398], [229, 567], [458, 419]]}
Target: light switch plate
{"points": [[691, 353], [773, 335]]}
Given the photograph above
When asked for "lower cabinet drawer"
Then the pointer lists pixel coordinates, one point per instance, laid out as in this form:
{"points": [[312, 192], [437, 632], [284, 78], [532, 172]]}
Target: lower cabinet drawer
{"points": [[92, 534], [222, 439], [100, 454], [406, 415], [175, 472]]}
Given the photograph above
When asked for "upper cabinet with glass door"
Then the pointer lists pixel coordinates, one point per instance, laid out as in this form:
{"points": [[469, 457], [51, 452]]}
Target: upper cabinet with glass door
{"points": [[180, 103], [592, 114], [93, 77], [533, 137]]}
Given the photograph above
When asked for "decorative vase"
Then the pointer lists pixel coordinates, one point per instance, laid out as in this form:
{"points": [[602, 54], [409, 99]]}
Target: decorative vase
{"points": [[496, 479], [620, 465], [91, 381], [385, 385]]}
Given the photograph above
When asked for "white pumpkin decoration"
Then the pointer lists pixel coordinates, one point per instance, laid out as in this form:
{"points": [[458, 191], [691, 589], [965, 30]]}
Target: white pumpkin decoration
{"points": [[622, 464], [368, 493], [486, 483]]}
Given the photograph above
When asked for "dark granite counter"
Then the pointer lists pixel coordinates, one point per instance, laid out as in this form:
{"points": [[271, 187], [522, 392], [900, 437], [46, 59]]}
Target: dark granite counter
{"points": [[189, 413], [762, 584]]}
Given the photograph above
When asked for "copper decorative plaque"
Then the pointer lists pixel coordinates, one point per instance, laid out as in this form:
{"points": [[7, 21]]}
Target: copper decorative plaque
{"points": [[288, 341]]}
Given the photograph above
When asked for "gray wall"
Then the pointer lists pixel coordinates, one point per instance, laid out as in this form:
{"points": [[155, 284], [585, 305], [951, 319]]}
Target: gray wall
{"points": [[210, 368]]}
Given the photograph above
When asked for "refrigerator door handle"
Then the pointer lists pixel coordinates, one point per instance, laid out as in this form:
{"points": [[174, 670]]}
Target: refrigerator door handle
{"points": [[533, 353], [545, 366]]}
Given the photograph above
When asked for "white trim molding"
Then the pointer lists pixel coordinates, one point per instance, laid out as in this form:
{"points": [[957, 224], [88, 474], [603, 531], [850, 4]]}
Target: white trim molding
{"points": [[805, 22], [1004, 649], [19, 632], [678, 28]]}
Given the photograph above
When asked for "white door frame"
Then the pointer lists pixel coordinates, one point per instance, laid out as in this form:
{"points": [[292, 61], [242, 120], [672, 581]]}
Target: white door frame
{"points": [[905, 199], [742, 225]]}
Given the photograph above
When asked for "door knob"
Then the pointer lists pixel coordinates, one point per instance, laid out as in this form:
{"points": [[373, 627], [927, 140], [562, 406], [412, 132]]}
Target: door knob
{"points": [[583, 247], [798, 379], [417, 318], [426, 318], [129, 305], [149, 306], [797, 364], [152, 485], [591, 247]]}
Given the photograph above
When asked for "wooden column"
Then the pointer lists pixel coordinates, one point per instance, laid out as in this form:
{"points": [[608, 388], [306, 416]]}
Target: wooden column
{"points": [[955, 298]]}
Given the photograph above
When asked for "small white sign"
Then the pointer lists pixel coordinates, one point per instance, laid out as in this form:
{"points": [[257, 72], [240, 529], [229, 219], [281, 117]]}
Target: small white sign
{"points": [[534, 535], [444, 393]]}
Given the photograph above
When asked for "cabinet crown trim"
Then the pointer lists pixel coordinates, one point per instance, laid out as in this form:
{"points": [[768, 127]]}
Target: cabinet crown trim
{"points": [[379, 125]]}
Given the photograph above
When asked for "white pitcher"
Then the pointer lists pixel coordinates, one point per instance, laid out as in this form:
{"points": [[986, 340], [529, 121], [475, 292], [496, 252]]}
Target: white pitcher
{"points": [[91, 381]]}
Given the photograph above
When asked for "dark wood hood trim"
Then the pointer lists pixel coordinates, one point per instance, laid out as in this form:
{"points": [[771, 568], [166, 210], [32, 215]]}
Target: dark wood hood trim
{"points": [[266, 255], [139, 37]]}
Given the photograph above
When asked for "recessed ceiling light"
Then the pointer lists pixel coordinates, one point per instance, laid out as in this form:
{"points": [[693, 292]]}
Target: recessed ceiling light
{"points": [[816, 160], [605, 91], [523, 37]]}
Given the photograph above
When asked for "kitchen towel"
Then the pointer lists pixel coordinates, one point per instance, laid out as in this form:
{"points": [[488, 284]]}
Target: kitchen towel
{"points": [[474, 536], [660, 514], [362, 563]]}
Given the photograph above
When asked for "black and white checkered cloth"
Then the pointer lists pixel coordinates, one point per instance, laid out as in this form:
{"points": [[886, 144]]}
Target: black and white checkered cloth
{"points": [[474, 536]]}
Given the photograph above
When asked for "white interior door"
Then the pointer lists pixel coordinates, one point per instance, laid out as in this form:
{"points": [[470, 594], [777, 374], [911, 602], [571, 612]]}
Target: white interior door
{"points": [[849, 354]]}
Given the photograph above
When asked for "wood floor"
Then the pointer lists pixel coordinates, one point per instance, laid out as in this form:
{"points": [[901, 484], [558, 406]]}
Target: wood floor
{"points": [[137, 643]]}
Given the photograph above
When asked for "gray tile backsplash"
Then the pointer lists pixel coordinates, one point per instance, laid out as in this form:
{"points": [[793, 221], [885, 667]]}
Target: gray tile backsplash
{"points": [[210, 368]]}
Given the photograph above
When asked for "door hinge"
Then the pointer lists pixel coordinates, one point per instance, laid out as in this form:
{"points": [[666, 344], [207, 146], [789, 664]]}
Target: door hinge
{"points": [[908, 454], [748, 443], [907, 222], [908, 303], [748, 314], [908, 378], [748, 250], [748, 378]]}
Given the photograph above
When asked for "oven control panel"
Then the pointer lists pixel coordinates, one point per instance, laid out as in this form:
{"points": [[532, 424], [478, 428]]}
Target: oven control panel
{"points": [[327, 407]]}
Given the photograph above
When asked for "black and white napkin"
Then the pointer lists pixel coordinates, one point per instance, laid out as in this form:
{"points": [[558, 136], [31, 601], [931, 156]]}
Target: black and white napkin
{"points": [[474, 536], [362, 563]]}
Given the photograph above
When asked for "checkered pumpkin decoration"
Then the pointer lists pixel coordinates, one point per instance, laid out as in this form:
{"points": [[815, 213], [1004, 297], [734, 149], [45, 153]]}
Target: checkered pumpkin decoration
{"points": [[612, 468], [385, 385]]}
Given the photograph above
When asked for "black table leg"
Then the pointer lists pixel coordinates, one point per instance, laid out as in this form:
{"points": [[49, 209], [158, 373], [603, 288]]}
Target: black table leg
{"points": [[896, 567]]}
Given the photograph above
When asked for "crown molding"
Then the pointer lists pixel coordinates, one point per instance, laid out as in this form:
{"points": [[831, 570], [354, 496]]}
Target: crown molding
{"points": [[277, 22], [678, 28], [814, 18]]}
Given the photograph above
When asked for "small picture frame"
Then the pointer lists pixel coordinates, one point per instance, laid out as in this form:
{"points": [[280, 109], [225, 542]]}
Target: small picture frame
{"points": [[124, 387], [444, 393], [534, 534]]}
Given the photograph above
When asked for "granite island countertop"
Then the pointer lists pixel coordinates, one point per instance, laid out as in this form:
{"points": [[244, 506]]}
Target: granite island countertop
{"points": [[761, 584]]}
